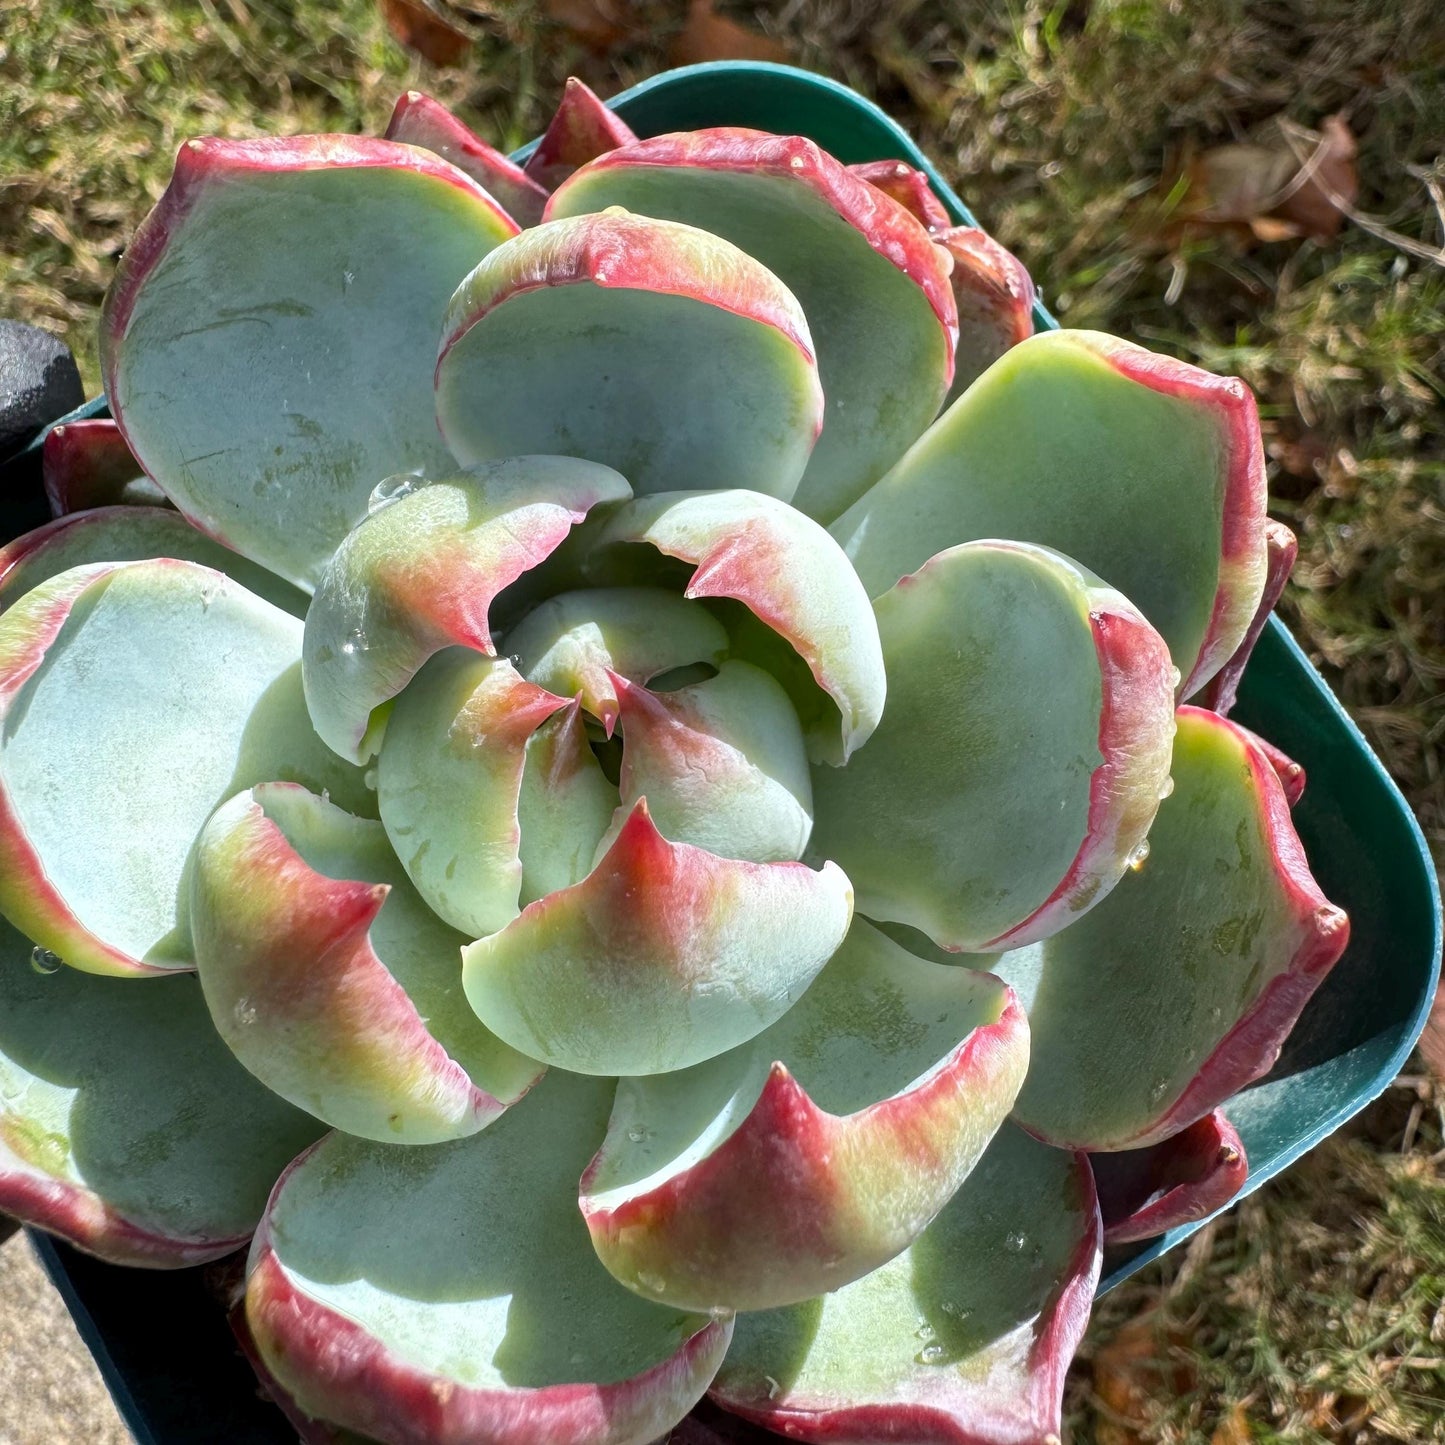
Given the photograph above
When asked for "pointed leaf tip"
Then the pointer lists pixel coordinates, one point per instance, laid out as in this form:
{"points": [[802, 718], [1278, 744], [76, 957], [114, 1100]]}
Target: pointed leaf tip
{"points": [[663, 955]]}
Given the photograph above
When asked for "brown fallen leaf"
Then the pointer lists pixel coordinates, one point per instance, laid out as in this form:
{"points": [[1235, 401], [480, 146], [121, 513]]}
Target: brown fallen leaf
{"points": [[601, 25], [1432, 1041], [421, 29], [1233, 1429], [1134, 1368], [710, 36], [1304, 184]]}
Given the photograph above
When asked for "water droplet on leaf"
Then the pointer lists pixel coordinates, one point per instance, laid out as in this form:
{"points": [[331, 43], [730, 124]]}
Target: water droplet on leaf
{"points": [[45, 962], [391, 490], [1015, 1241], [1139, 856], [244, 1011], [931, 1355]]}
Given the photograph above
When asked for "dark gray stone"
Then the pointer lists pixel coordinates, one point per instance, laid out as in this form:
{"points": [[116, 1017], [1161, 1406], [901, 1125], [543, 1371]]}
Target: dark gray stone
{"points": [[39, 381]]}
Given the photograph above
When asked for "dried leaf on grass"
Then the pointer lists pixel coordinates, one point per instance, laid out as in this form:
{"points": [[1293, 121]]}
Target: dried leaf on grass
{"points": [[1140, 1364], [1432, 1041], [421, 29], [710, 36], [1302, 184], [1234, 1428], [600, 25]]}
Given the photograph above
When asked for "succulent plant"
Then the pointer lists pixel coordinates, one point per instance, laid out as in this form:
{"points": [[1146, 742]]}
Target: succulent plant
{"points": [[549, 789]]}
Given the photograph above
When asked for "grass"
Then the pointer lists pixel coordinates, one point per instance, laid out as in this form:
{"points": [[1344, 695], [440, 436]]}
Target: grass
{"points": [[1316, 1310]]}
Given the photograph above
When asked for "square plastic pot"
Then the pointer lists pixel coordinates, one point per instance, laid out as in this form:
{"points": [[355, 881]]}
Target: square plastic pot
{"points": [[180, 1380]]}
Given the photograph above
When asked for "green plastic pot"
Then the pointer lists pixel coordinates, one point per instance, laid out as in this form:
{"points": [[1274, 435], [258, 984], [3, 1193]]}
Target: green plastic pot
{"points": [[1364, 846]]}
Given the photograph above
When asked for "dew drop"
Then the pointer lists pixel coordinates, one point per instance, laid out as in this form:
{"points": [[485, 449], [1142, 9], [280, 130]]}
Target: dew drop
{"points": [[638, 1134], [650, 1283], [355, 643], [774, 1389], [1015, 1241], [244, 1011], [1157, 1092], [1167, 789], [1175, 677], [347, 277], [389, 491], [925, 1331], [369, 779], [45, 962], [931, 1355], [1139, 856]]}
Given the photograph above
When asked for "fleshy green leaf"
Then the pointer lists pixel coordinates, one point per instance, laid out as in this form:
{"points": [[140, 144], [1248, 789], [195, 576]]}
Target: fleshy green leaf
{"points": [[1022, 755], [721, 764], [963, 1339], [1181, 986], [662, 956], [873, 285], [130, 534], [134, 699], [563, 808], [572, 644], [1147, 470], [421, 573], [816, 1152], [448, 782], [656, 348], [419, 120], [794, 580], [269, 341], [1143, 1192], [485, 1315], [331, 980], [126, 1126]]}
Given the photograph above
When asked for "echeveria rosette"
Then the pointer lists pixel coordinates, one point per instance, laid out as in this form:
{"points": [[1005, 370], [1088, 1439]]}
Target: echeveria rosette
{"points": [[679, 705]]}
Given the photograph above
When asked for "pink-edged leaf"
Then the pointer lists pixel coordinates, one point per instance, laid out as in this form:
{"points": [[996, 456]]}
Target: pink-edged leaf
{"points": [[419, 120], [578, 643], [135, 698], [663, 955], [88, 464], [1145, 469], [1281, 550], [358, 1018], [816, 1152], [656, 348], [581, 129], [420, 574], [793, 579], [126, 1126], [449, 781], [909, 187], [275, 319], [873, 285], [1180, 988], [130, 534], [488, 1316], [963, 1339], [1291, 774], [995, 297], [1143, 1192], [1021, 757], [721, 764]]}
